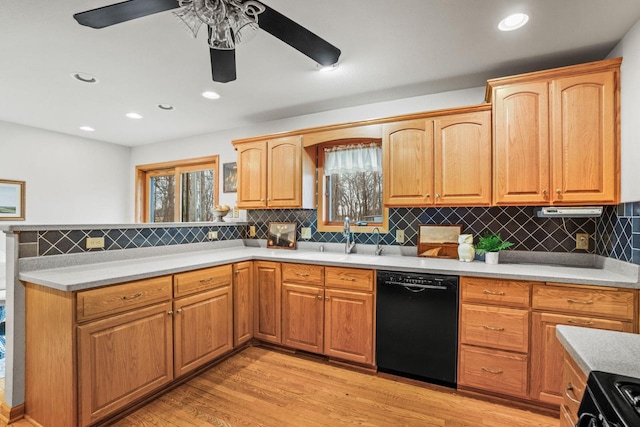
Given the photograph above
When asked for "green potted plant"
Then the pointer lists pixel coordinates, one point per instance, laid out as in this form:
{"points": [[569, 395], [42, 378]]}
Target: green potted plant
{"points": [[490, 244]]}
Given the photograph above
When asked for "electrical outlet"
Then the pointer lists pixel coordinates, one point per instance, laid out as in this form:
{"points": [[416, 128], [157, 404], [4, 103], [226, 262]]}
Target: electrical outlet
{"points": [[399, 236], [305, 232], [213, 235], [582, 241], [95, 242], [236, 212], [252, 231]]}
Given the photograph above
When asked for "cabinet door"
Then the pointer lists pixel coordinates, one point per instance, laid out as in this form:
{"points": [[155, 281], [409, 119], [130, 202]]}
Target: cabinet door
{"points": [[267, 301], [521, 144], [407, 155], [252, 175], [242, 302], [203, 328], [583, 139], [462, 159], [122, 358], [284, 173], [302, 315], [348, 326], [547, 352]]}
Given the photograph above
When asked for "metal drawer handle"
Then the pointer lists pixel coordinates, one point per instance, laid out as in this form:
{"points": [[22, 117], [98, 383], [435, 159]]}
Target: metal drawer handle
{"points": [[349, 279], [572, 390], [488, 292], [499, 371], [577, 301], [134, 296], [302, 274], [577, 322], [207, 280], [492, 328]]}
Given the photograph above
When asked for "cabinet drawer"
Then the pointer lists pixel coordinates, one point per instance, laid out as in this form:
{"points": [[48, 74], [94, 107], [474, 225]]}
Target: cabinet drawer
{"points": [[490, 291], [110, 300], [349, 278], [303, 273], [574, 383], [497, 327], [493, 370], [615, 303], [192, 282]]}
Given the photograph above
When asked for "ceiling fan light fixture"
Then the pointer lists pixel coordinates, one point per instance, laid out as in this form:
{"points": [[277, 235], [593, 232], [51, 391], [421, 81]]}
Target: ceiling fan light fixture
{"points": [[327, 68], [210, 94], [513, 22], [134, 115]]}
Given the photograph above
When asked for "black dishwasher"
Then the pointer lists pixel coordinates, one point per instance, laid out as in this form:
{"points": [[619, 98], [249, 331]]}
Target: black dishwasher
{"points": [[417, 326]]}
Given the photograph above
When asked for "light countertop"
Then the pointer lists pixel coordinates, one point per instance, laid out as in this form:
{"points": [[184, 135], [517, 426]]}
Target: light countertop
{"points": [[599, 350], [65, 274]]}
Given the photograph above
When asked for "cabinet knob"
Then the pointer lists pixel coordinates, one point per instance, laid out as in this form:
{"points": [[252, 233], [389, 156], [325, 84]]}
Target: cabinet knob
{"points": [[427, 195], [179, 311], [237, 271], [269, 199], [544, 193], [262, 200], [169, 313], [437, 195], [326, 298], [559, 191], [319, 297]]}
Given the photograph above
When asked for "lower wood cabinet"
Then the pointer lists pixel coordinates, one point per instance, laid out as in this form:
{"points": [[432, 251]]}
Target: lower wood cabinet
{"points": [[574, 382], [203, 328], [493, 370], [329, 310], [242, 302], [122, 358], [267, 301]]}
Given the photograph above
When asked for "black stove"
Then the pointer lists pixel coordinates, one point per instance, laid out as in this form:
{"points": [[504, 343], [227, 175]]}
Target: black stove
{"points": [[610, 400]]}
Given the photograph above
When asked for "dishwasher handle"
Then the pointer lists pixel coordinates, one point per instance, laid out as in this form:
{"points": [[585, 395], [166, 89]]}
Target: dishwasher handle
{"points": [[416, 287]]}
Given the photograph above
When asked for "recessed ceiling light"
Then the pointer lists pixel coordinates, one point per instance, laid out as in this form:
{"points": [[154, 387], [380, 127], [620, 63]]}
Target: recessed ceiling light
{"points": [[133, 115], [513, 22], [84, 77], [325, 68], [165, 107], [87, 128], [210, 95]]}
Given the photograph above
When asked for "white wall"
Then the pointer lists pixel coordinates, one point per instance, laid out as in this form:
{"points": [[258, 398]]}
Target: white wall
{"points": [[220, 142], [69, 180], [629, 49]]}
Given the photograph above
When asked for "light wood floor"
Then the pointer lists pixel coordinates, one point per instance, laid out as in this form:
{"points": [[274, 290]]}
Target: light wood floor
{"points": [[261, 387]]}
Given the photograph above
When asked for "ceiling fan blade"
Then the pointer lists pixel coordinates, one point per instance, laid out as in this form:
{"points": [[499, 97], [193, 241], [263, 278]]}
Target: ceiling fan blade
{"points": [[298, 37], [122, 12], [223, 65]]}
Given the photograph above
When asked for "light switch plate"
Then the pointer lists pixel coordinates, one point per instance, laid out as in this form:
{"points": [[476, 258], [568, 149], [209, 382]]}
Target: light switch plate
{"points": [[399, 236], [95, 242], [305, 232]]}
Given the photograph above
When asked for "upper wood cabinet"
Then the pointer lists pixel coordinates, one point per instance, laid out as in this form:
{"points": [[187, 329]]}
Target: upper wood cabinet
{"points": [[442, 161], [556, 138], [407, 155], [271, 174], [462, 159]]}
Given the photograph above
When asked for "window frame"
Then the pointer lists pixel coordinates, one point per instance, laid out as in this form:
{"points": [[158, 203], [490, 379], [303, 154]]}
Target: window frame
{"points": [[323, 225], [145, 172]]}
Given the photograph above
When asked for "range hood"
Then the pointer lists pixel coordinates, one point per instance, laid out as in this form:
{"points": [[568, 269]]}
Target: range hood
{"points": [[569, 212]]}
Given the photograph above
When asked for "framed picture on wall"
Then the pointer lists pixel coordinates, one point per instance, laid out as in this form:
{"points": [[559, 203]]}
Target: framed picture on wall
{"points": [[12, 200], [282, 235], [230, 177]]}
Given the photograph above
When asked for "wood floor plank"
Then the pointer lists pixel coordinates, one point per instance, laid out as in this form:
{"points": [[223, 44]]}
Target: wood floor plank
{"points": [[262, 387]]}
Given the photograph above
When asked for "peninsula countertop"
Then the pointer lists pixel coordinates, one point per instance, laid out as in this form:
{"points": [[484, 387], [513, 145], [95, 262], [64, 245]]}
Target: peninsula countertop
{"points": [[78, 272], [600, 350]]}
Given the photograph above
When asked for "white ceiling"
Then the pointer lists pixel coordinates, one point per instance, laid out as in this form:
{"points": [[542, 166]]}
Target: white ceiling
{"points": [[390, 49]]}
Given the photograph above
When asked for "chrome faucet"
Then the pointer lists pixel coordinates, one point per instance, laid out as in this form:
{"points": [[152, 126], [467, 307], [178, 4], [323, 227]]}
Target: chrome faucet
{"points": [[376, 231], [347, 233]]}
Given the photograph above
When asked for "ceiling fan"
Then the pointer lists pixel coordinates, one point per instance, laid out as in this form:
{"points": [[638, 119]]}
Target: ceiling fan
{"points": [[229, 23]]}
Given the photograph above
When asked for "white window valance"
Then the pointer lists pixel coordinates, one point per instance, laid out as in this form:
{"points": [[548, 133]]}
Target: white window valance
{"points": [[353, 158]]}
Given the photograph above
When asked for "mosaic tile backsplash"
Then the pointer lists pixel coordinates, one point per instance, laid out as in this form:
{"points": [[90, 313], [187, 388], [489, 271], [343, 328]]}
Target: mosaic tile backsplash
{"points": [[57, 242], [616, 234], [516, 224]]}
